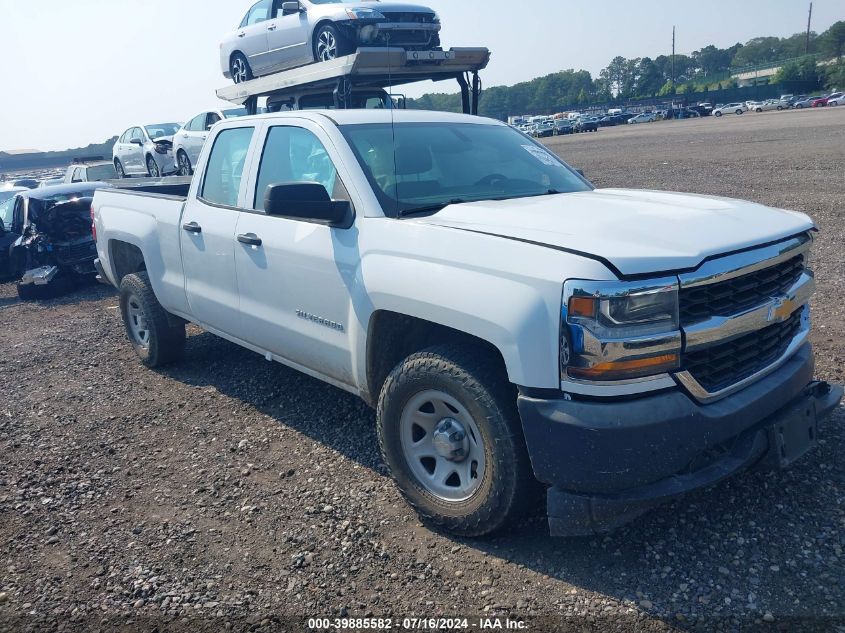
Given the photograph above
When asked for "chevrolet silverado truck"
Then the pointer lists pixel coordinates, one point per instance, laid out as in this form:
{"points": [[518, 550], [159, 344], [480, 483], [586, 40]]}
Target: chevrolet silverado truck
{"points": [[518, 331]]}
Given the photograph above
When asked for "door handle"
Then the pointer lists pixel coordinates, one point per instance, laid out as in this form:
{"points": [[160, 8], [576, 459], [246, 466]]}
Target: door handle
{"points": [[241, 34], [192, 227], [271, 28], [250, 239]]}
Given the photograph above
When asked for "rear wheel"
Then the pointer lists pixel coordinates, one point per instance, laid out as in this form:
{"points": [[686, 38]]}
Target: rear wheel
{"points": [[157, 337], [118, 167], [739, 111], [185, 168], [450, 432], [717, 114], [239, 69], [330, 44], [152, 168]]}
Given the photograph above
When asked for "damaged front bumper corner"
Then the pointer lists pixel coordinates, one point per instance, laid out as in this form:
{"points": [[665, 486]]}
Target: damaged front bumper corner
{"points": [[40, 276]]}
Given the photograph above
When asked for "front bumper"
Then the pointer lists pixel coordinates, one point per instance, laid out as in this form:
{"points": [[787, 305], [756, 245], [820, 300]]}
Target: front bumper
{"points": [[608, 462]]}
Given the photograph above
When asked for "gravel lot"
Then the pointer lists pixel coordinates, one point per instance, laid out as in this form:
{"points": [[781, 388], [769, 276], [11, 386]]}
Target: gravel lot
{"points": [[227, 492]]}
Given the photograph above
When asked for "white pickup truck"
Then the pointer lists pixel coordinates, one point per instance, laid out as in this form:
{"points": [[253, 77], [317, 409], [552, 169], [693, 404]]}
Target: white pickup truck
{"points": [[518, 331]]}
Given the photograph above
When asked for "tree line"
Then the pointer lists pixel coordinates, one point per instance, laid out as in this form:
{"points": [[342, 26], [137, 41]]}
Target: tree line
{"points": [[709, 68]]}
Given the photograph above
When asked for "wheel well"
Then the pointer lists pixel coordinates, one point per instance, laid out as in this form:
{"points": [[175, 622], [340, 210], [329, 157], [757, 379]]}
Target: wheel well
{"points": [[392, 337], [317, 27], [126, 259]]}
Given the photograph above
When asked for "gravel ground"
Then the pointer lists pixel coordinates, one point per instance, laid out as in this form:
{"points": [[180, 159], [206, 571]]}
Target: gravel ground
{"points": [[229, 493]]}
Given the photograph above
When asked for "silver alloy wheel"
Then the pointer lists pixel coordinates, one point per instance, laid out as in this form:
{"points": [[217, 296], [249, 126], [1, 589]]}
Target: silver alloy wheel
{"points": [[118, 167], [184, 164], [326, 46], [152, 166], [138, 327], [442, 445], [239, 72]]}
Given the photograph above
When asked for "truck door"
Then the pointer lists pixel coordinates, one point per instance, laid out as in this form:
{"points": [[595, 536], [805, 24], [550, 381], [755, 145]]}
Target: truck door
{"points": [[208, 233], [294, 277]]}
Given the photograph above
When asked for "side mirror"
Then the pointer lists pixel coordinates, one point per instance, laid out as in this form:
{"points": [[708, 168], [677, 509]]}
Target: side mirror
{"points": [[291, 7], [307, 201], [137, 141]]}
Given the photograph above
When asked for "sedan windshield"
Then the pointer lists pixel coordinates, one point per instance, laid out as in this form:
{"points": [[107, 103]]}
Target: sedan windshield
{"points": [[234, 113], [6, 209], [162, 129], [423, 167]]}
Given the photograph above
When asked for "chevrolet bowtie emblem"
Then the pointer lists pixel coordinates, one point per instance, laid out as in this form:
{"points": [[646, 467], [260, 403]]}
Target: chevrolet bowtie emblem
{"points": [[781, 309]]}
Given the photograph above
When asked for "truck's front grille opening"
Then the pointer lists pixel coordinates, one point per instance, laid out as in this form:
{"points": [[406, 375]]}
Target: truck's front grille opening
{"points": [[735, 295], [74, 253], [721, 366]]}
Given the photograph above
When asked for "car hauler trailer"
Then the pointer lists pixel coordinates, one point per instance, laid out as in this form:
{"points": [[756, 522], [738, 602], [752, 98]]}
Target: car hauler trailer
{"points": [[369, 68]]}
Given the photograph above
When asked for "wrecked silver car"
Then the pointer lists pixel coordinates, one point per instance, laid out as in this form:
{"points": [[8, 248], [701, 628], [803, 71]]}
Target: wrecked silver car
{"points": [[46, 241]]}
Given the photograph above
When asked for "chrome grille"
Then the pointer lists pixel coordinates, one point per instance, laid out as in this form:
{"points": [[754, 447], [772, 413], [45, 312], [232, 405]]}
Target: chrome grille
{"points": [[741, 293], [718, 367]]}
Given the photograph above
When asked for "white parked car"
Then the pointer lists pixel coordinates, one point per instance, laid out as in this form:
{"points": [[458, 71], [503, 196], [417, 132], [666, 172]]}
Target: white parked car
{"points": [[275, 36], [731, 108], [517, 330], [836, 99], [189, 140], [145, 150], [769, 104], [645, 117]]}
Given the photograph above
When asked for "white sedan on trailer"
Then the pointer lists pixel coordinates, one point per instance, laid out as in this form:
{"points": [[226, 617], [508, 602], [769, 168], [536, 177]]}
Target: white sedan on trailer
{"points": [[189, 140]]}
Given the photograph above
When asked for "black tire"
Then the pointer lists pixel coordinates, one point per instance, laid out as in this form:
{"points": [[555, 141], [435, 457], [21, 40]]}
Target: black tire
{"points": [[185, 167], [239, 68], [118, 167], [739, 112], [471, 377], [329, 43], [165, 341], [152, 168], [717, 114]]}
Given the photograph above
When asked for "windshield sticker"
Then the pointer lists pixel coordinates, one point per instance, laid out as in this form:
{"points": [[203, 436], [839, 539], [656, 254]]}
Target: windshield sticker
{"points": [[540, 154]]}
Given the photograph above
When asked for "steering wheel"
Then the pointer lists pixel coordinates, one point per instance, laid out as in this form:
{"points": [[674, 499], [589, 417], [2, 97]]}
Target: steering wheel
{"points": [[491, 179]]}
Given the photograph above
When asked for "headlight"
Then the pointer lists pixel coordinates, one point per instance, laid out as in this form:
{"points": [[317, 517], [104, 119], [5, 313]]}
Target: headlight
{"points": [[364, 14], [613, 331]]}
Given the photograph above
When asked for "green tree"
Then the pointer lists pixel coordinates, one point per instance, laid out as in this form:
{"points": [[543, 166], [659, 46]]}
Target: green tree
{"points": [[832, 41], [835, 76]]}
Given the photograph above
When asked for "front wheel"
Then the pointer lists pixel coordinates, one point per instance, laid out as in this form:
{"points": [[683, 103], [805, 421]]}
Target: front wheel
{"points": [[450, 433], [717, 114], [157, 337], [152, 168], [739, 112], [118, 167], [330, 44], [185, 168]]}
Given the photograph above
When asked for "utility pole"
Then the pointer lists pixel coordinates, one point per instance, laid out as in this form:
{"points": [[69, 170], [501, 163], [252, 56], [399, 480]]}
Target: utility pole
{"points": [[673, 58], [809, 22]]}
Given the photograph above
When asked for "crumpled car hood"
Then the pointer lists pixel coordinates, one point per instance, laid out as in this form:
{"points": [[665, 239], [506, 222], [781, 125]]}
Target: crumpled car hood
{"points": [[637, 232], [64, 221]]}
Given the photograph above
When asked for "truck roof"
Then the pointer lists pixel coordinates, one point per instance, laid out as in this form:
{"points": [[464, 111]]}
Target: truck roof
{"points": [[369, 116]]}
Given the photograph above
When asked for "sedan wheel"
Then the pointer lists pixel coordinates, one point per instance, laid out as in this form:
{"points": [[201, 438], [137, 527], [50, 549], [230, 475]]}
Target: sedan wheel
{"points": [[185, 168], [717, 114], [239, 69], [326, 46], [118, 167], [152, 168]]}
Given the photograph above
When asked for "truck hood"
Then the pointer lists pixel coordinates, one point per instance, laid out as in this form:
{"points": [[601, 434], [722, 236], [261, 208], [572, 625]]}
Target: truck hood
{"points": [[638, 232]]}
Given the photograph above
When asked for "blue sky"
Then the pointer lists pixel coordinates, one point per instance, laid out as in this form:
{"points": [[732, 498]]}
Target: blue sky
{"points": [[80, 71]]}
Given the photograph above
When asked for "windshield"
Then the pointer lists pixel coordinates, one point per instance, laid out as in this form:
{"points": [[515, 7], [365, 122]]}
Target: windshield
{"points": [[235, 113], [431, 165], [5, 195], [7, 206], [102, 172], [162, 129]]}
